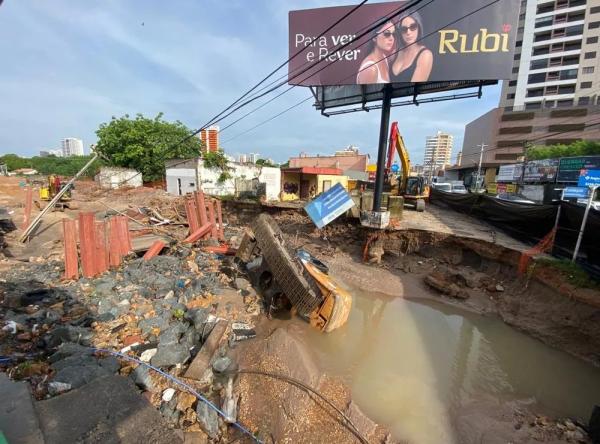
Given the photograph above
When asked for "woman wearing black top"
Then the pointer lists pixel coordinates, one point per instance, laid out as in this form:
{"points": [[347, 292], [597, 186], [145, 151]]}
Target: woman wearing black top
{"points": [[414, 60]]}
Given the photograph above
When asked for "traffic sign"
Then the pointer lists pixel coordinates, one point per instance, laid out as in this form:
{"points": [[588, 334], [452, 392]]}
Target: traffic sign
{"points": [[329, 205], [576, 192], [589, 178], [395, 168]]}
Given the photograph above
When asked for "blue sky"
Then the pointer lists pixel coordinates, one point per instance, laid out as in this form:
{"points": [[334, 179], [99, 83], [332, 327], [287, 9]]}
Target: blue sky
{"points": [[69, 65]]}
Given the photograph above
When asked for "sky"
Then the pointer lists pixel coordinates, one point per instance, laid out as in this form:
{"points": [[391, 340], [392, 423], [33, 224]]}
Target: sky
{"points": [[68, 66]]}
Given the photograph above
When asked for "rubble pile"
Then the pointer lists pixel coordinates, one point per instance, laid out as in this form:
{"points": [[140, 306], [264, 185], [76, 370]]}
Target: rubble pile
{"points": [[161, 312]]}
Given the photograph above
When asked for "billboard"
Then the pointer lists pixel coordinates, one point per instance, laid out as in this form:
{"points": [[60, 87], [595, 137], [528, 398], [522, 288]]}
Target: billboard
{"points": [[510, 173], [569, 167], [540, 170], [442, 41]]}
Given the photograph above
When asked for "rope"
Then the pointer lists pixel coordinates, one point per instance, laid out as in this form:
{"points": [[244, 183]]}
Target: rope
{"points": [[182, 384], [347, 421]]}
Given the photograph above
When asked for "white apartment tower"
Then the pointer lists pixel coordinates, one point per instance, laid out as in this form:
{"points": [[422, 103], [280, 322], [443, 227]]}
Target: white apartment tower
{"points": [[72, 147], [557, 56], [438, 151]]}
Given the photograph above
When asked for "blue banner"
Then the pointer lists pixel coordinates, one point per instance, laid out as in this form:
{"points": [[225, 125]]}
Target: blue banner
{"points": [[589, 178], [576, 192], [329, 205]]}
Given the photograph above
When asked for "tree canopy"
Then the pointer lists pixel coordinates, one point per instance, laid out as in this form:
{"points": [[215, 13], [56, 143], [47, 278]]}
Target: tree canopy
{"points": [[579, 148], [264, 162], [144, 144], [63, 166]]}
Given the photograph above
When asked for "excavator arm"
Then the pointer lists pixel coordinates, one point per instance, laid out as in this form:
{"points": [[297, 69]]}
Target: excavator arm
{"points": [[397, 144]]}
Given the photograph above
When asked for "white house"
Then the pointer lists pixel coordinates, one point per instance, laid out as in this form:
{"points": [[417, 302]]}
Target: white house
{"points": [[113, 177], [184, 176]]}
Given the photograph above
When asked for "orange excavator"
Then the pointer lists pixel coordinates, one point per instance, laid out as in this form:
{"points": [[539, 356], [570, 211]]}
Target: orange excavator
{"points": [[412, 188]]}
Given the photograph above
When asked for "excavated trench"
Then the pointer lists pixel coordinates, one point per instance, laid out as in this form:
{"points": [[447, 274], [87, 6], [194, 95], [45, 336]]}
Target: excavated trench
{"points": [[446, 341]]}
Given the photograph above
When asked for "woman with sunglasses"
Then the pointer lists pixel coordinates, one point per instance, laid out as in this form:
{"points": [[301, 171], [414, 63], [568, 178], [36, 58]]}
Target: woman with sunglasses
{"points": [[375, 68], [414, 60]]}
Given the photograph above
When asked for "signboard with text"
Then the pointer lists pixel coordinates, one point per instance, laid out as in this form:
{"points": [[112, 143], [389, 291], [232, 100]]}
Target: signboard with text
{"points": [[569, 167], [509, 173], [447, 40], [329, 205], [540, 170], [576, 192], [589, 178]]}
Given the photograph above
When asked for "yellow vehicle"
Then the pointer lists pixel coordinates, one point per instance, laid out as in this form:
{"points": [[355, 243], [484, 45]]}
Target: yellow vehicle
{"points": [[414, 189], [292, 280], [51, 188]]}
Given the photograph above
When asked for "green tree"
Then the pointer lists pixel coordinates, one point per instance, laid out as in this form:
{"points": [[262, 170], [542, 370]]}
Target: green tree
{"points": [[63, 166], [144, 144], [579, 148], [217, 160], [264, 162]]}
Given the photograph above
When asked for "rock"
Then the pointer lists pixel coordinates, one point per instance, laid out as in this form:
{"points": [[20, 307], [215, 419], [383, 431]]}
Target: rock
{"points": [[141, 377], [594, 424], [147, 355], [170, 413], [441, 283], [198, 317], [105, 306], [104, 286], [170, 355], [110, 363], [106, 317], [208, 419], [146, 325], [195, 438], [70, 334], [79, 375], [499, 287], [172, 334], [168, 394], [56, 388], [69, 349], [185, 400], [241, 283], [220, 365]]}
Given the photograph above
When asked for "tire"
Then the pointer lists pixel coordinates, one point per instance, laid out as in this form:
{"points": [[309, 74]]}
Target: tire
{"points": [[420, 205]]}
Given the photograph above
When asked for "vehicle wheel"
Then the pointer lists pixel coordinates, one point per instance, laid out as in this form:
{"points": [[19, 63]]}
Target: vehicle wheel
{"points": [[420, 205]]}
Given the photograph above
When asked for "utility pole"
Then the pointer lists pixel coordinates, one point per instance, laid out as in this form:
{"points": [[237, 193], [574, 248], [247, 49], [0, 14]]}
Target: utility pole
{"points": [[483, 146]]}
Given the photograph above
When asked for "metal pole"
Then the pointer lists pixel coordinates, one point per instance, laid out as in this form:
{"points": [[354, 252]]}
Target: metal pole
{"points": [[562, 196], [583, 222], [479, 167], [51, 204], [381, 153]]}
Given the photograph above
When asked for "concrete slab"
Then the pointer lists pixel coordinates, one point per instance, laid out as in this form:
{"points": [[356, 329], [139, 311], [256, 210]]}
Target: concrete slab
{"points": [[109, 409], [202, 359], [18, 419]]}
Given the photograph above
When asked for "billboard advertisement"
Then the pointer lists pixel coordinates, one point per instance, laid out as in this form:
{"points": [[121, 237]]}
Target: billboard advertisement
{"points": [[569, 167], [540, 170], [510, 173], [445, 40]]}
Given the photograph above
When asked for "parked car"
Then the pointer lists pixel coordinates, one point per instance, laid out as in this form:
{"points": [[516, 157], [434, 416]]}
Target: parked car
{"points": [[459, 188], [514, 197], [442, 186]]}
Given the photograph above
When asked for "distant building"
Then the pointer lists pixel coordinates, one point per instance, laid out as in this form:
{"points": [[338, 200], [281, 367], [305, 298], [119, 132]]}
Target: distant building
{"points": [[46, 153], [417, 170], [210, 139], [348, 159], [252, 157], [243, 158], [72, 147], [438, 151], [113, 177]]}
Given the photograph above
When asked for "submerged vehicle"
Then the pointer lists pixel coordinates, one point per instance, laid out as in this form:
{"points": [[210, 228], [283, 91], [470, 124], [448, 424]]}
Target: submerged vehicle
{"points": [[290, 279]]}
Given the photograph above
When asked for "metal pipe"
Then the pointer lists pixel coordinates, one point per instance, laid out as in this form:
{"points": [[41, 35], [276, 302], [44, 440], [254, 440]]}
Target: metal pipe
{"points": [[381, 153], [583, 222], [56, 198]]}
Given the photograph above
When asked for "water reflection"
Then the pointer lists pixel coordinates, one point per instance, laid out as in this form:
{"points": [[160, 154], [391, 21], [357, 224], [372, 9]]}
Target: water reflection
{"points": [[410, 365]]}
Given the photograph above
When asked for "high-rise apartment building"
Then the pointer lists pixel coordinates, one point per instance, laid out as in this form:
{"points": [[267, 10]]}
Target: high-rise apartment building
{"points": [[72, 147], [210, 139], [557, 54], [438, 151]]}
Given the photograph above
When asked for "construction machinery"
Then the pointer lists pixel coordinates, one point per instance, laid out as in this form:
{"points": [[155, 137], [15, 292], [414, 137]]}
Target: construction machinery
{"points": [[292, 279], [51, 188], [414, 189]]}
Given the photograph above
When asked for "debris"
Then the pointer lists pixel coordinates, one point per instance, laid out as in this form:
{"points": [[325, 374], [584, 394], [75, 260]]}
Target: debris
{"points": [[168, 394], [499, 287], [208, 419], [147, 355], [242, 330], [202, 359], [56, 388]]}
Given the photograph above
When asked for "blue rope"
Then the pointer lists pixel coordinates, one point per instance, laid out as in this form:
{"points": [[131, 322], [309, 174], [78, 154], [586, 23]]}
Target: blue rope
{"points": [[181, 383]]}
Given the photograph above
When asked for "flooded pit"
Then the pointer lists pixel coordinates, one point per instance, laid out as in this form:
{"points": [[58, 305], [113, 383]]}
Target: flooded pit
{"points": [[415, 367]]}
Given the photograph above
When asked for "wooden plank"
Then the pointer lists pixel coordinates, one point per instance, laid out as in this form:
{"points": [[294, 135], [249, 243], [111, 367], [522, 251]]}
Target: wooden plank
{"points": [[221, 249], [28, 205], [201, 206], [114, 243], [202, 360], [87, 243], [154, 250], [199, 233], [221, 231], [101, 256], [192, 215], [211, 218], [124, 238], [70, 246]]}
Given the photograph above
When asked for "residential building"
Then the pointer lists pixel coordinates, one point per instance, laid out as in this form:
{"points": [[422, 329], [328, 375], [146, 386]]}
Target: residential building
{"points": [[252, 157], [72, 147], [46, 153], [210, 139], [243, 158], [115, 177], [438, 152], [346, 160], [307, 182]]}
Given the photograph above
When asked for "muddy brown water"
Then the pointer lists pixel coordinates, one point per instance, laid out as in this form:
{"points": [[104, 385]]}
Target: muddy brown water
{"points": [[413, 365]]}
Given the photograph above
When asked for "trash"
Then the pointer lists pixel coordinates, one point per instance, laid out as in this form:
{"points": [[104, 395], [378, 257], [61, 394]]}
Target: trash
{"points": [[56, 388], [168, 394], [242, 330], [11, 327], [147, 355]]}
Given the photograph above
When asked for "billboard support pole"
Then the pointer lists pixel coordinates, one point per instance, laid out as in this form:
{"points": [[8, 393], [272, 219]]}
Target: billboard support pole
{"points": [[381, 153], [583, 222]]}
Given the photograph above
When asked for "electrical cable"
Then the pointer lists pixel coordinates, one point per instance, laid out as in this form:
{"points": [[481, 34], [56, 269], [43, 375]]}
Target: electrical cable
{"points": [[347, 421], [180, 383]]}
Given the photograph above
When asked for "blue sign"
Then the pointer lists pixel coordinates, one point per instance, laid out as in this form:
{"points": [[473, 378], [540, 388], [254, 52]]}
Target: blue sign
{"points": [[589, 178], [395, 168], [329, 205], [576, 192]]}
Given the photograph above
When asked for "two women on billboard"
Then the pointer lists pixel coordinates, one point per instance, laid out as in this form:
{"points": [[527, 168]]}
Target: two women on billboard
{"points": [[396, 54]]}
